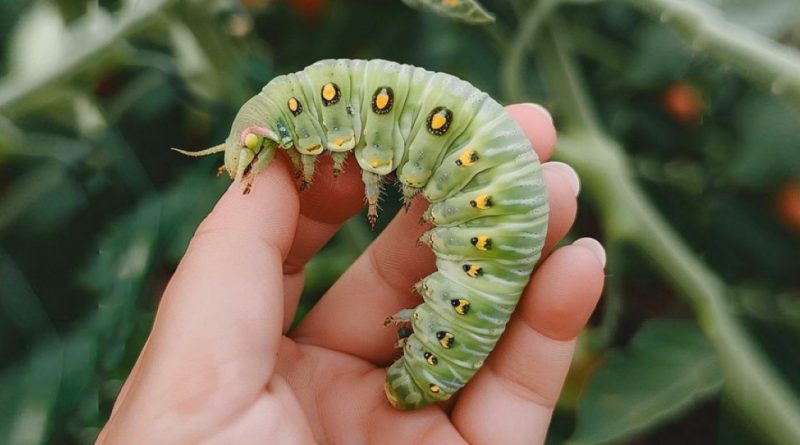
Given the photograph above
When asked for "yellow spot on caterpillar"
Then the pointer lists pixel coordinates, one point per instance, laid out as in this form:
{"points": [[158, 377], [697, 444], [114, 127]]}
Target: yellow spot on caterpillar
{"points": [[482, 201], [382, 100], [446, 339], [473, 270], [460, 305], [438, 121], [293, 105], [481, 242], [467, 158], [451, 3], [329, 91], [435, 389], [375, 163], [251, 141], [339, 142]]}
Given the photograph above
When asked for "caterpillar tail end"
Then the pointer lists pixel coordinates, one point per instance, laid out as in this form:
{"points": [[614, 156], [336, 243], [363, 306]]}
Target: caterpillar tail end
{"points": [[401, 391]]}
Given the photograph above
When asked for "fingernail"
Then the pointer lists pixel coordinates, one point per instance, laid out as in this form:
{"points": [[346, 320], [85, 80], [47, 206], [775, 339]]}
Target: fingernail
{"points": [[594, 246], [568, 173], [541, 110]]}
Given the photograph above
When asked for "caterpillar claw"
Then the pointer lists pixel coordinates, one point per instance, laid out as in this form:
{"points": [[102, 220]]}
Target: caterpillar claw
{"points": [[401, 317], [339, 158], [221, 170], [400, 343], [409, 192], [426, 217], [426, 239], [419, 287]]}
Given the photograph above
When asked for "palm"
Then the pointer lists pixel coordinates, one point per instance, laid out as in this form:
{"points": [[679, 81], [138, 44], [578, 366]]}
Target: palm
{"points": [[220, 367]]}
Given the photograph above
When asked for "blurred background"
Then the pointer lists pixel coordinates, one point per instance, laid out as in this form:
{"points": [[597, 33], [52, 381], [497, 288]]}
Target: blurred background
{"points": [[682, 118]]}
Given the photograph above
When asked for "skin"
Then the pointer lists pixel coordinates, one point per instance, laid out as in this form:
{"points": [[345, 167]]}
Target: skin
{"points": [[220, 367]]}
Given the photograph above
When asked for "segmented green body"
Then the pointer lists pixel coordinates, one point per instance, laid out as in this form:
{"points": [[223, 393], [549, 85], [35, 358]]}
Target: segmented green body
{"points": [[468, 158]]}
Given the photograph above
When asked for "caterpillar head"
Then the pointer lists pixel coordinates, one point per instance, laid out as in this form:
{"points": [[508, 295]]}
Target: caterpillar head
{"points": [[248, 149]]}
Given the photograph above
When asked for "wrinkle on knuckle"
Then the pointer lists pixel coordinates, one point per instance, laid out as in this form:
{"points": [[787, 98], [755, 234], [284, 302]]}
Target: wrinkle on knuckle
{"points": [[520, 389], [383, 276]]}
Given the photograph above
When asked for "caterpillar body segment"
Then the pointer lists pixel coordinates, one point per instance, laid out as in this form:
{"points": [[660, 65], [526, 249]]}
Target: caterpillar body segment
{"points": [[446, 140]]}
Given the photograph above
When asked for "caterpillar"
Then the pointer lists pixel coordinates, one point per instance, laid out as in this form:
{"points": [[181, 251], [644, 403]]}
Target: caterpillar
{"points": [[449, 142]]}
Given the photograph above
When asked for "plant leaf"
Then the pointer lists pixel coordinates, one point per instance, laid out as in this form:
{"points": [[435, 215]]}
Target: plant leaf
{"points": [[468, 11], [667, 369]]}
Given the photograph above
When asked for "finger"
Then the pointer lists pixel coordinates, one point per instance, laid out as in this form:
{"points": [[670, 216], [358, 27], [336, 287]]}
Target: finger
{"points": [[324, 206], [349, 318], [341, 394], [511, 398], [221, 313], [536, 122]]}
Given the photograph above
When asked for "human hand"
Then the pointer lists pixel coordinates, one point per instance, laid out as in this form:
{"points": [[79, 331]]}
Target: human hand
{"points": [[220, 367]]}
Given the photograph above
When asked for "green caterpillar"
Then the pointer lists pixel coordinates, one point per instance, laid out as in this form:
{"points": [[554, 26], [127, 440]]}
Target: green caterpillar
{"points": [[444, 139]]}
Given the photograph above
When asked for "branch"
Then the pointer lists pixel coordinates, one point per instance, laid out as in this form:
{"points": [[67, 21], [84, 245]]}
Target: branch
{"points": [[628, 216], [18, 93], [757, 58], [513, 63]]}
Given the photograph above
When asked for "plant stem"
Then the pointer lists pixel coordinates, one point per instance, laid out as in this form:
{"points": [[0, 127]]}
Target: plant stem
{"points": [[513, 64], [19, 94], [755, 57], [629, 217]]}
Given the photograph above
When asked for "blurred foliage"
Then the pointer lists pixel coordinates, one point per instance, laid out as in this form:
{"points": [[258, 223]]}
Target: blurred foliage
{"points": [[95, 211]]}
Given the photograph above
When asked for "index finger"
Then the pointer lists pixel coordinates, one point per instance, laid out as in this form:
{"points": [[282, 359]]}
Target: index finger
{"points": [[221, 313]]}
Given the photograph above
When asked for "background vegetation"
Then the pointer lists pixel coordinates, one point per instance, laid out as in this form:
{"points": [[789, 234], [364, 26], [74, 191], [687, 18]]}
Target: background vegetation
{"points": [[681, 117]]}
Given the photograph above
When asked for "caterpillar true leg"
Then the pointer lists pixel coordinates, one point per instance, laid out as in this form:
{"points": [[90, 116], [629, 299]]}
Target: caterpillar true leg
{"points": [[408, 195], [309, 163], [372, 190], [294, 157], [339, 158]]}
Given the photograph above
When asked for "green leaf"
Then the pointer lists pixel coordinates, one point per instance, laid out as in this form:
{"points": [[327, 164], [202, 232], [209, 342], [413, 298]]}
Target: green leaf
{"points": [[767, 153], [468, 11], [668, 368]]}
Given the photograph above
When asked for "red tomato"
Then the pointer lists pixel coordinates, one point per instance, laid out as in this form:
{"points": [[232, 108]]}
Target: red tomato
{"points": [[684, 103], [309, 9], [787, 203]]}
